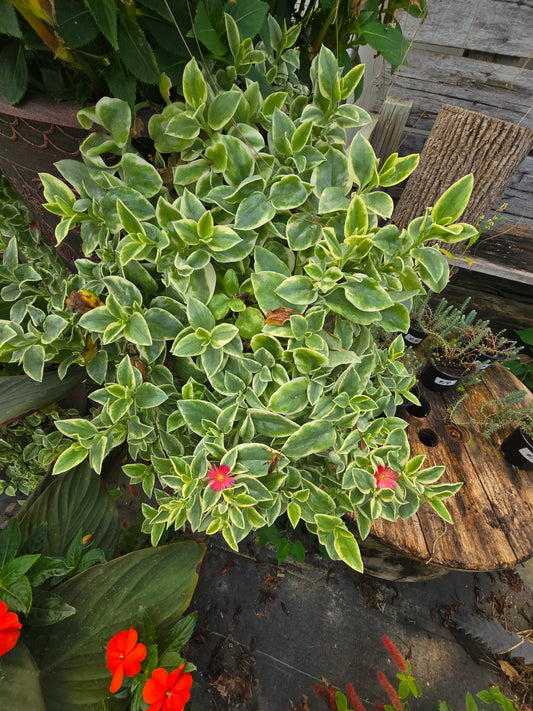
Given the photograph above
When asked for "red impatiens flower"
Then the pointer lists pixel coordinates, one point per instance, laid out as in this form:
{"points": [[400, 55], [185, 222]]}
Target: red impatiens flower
{"points": [[219, 477], [167, 692], [124, 656], [9, 629], [386, 478]]}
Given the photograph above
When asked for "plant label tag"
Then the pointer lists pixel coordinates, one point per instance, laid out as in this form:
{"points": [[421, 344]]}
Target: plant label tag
{"points": [[527, 454], [412, 339], [443, 381]]}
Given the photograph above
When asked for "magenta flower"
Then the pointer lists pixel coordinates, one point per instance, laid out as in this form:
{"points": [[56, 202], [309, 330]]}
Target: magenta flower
{"points": [[386, 478], [220, 477]]}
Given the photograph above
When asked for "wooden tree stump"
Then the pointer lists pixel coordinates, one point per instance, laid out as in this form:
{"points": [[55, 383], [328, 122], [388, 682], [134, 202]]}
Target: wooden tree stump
{"points": [[461, 142]]}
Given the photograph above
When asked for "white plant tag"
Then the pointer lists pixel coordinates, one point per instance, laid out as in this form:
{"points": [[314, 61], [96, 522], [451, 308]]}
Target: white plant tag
{"points": [[527, 454], [442, 381], [412, 339]]}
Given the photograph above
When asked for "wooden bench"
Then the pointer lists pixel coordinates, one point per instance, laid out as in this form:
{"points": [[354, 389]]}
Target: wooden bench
{"points": [[492, 513]]}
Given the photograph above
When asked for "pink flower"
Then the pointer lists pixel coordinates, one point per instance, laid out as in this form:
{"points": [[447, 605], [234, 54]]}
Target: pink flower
{"points": [[386, 478], [219, 477]]}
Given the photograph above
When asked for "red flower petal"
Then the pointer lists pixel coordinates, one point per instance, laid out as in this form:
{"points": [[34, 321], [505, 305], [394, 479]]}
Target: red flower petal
{"points": [[10, 626]]}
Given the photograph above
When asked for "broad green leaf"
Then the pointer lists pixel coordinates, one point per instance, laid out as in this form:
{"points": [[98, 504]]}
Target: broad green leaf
{"points": [[13, 71], [288, 193], [432, 267], [205, 31], [9, 24], [105, 16], [70, 502], [310, 438], [136, 52], [71, 653], [10, 538], [137, 331], [20, 395], [249, 16], [291, 397], [21, 687]]}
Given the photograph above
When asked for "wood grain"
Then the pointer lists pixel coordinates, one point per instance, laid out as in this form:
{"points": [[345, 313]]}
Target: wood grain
{"points": [[493, 511], [485, 25]]}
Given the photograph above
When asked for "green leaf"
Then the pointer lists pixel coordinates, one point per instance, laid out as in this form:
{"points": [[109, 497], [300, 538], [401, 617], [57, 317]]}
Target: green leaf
{"points": [[347, 549], [432, 267], [254, 211], [194, 411], [73, 501], [222, 109], [97, 320], [77, 427], [47, 608], [105, 16], [15, 590], [362, 161], [387, 39], [148, 395], [206, 32], [140, 175], [194, 86], [10, 538], [199, 315], [452, 204], [136, 52], [395, 318], [137, 330], [8, 20], [249, 16], [21, 687], [13, 72], [291, 397], [71, 653], [33, 362], [367, 294], [310, 438], [288, 193], [272, 424]]}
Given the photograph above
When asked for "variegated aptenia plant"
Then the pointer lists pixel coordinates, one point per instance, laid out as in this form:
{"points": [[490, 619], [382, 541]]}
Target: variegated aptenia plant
{"points": [[240, 274]]}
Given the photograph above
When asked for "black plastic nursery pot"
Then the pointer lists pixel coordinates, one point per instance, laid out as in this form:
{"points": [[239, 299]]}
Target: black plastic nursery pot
{"points": [[518, 449], [437, 377], [414, 336], [484, 360]]}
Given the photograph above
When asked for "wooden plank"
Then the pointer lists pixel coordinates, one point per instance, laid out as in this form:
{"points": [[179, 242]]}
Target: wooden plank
{"points": [[389, 126], [505, 303], [431, 80], [485, 25], [493, 511]]}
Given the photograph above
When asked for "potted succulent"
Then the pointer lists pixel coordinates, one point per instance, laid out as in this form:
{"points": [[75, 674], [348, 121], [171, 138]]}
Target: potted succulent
{"points": [[504, 413], [450, 361], [496, 348], [228, 289]]}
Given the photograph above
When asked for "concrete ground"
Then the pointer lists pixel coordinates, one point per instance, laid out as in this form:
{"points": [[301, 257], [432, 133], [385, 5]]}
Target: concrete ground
{"points": [[267, 633]]}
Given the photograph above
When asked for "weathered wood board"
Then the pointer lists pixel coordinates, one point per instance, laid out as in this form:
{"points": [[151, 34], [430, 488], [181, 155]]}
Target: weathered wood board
{"points": [[493, 26], [431, 80], [493, 511]]}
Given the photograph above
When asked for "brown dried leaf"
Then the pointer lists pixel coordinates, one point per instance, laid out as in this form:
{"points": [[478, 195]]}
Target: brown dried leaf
{"points": [[509, 671], [82, 301], [279, 316]]}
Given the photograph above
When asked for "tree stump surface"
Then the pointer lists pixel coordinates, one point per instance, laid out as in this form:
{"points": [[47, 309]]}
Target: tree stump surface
{"points": [[493, 511]]}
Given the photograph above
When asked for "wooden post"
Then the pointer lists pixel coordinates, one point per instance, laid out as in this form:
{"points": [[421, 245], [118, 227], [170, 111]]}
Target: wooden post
{"points": [[392, 117], [461, 142]]}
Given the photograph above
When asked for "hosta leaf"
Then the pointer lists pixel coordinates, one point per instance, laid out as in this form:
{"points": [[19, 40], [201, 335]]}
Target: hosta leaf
{"points": [[20, 395], [70, 502], [21, 686]]}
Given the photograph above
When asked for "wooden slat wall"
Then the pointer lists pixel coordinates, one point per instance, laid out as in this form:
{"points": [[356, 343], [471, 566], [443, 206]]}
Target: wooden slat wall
{"points": [[474, 54]]}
